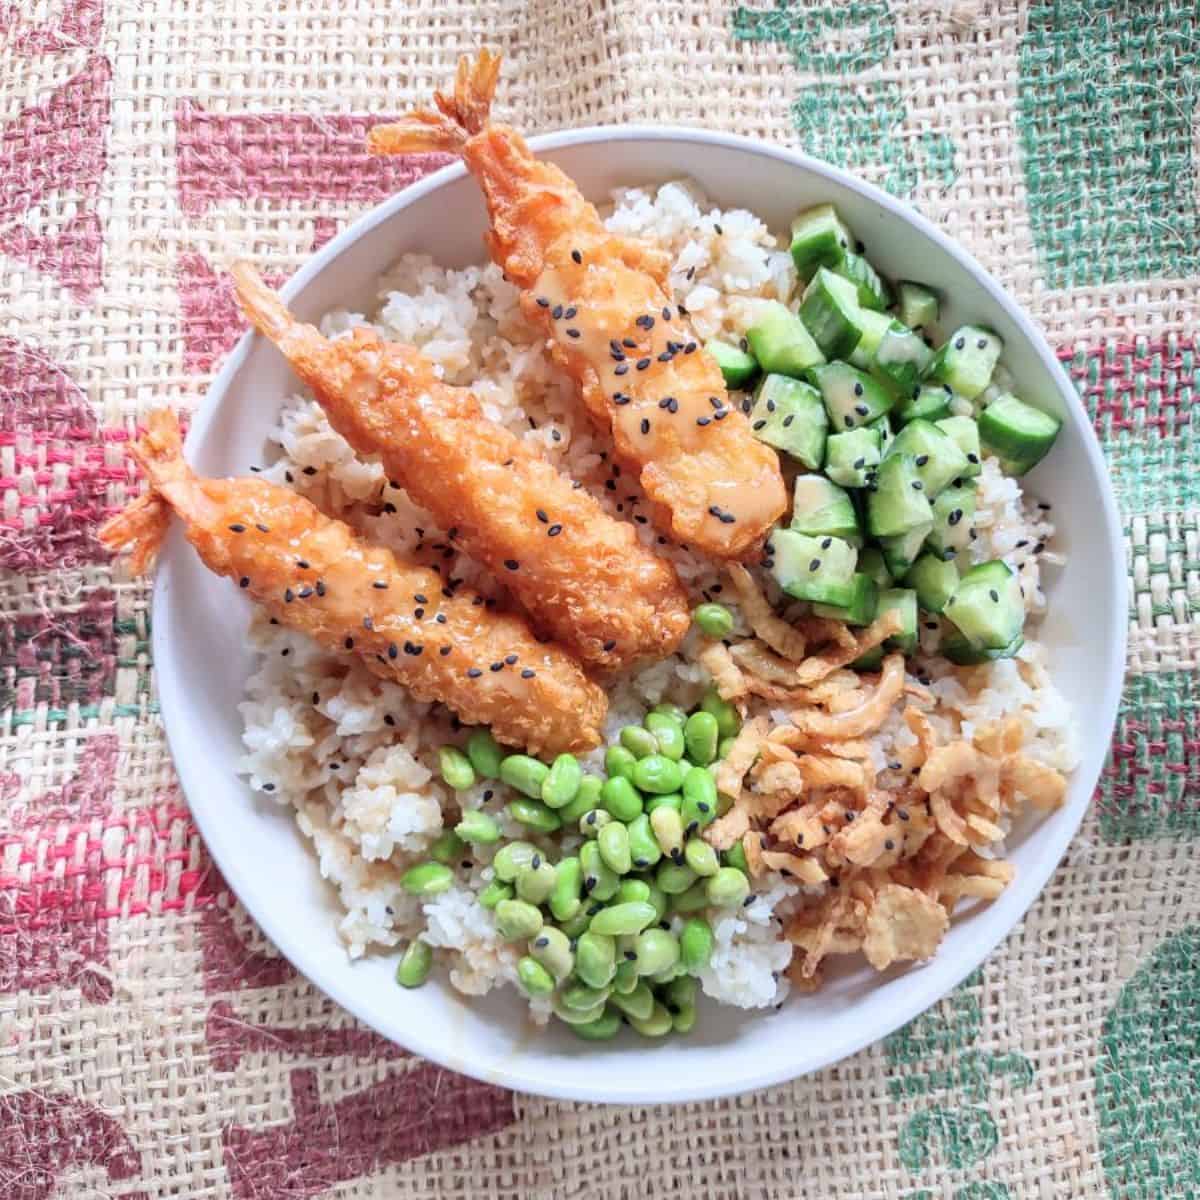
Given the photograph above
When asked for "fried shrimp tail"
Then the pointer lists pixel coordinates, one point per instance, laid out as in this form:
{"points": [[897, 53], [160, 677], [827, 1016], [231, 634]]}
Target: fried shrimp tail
{"points": [[584, 578], [611, 324], [313, 574]]}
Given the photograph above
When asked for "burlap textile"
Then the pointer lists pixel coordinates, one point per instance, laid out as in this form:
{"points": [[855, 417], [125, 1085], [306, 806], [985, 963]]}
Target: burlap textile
{"points": [[151, 1044]]}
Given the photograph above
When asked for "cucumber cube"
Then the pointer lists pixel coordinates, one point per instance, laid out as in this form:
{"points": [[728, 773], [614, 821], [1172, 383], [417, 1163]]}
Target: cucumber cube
{"points": [[987, 606], [953, 520], [860, 610], [966, 361], [959, 650], [851, 457], [901, 551], [737, 366], [886, 436], [928, 404], [829, 310], [872, 326], [817, 569], [821, 509], [872, 291], [917, 305], [789, 415], [901, 357], [1018, 434], [852, 398], [964, 432], [903, 601], [779, 341], [870, 562], [934, 580], [936, 455], [898, 505], [819, 239]]}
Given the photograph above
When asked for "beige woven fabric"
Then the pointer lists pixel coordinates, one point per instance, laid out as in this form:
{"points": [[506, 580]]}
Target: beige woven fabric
{"points": [[150, 1043]]}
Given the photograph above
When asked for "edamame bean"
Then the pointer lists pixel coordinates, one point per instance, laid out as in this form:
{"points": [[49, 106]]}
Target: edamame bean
{"points": [[701, 738], [576, 1016], [601, 1029], [667, 709], [673, 877], [455, 768], [478, 828], [513, 858], [728, 721], [552, 948], [517, 920], [600, 882], [577, 925], [595, 959], [592, 822], [666, 976], [643, 849], [725, 746], [534, 814], [699, 799], [695, 944], [485, 755], [632, 889], [713, 620], [701, 857], [626, 978], [735, 856], [447, 847], [525, 774], [587, 798], [683, 1020], [619, 762], [657, 774], [657, 1024], [727, 888], [613, 841], [495, 891], [668, 830], [637, 1004], [668, 735], [561, 785], [638, 741], [631, 917], [681, 992], [564, 901], [580, 996], [672, 800], [621, 798], [427, 879], [695, 899], [659, 899], [533, 977], [534, 884], [413, 967], [656, 951]]}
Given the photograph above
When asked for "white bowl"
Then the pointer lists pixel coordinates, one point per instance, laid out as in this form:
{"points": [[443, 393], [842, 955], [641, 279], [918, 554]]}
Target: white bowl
{"points": [[203, 660]]}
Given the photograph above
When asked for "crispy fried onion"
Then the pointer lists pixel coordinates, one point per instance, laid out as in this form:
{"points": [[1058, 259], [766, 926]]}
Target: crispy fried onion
{"points": [[786, 640], [903, 924], [727, 678], [814, 669], [866, 717], [726, 830]]}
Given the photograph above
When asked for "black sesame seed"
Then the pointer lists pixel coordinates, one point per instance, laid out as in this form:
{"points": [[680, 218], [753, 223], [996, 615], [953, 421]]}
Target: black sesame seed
{"points": [[918, 486], [302, 564], [642, 363], [237, 528], [859, 463], [788, 419], [543, 302], [304, 592], [955, 516], [244, 582], [572, 333], [512, 564], [981, 344], [349, 643], [268, 787], [473, 672], [621, 368], [288, 596], [666, 313], [645, 429], [972, 458], [419, 614], [827, 543], [576, 256], [858, 389], [995, 595], [497, 666], [554, 531], [310, 470], [368, 624], [704, 420], [922, 459], [759, 424], [610, 645], [570, 312], [849, 421], [862, 410], [393, 650], [815, 564], [959, 343], [444, 651]]}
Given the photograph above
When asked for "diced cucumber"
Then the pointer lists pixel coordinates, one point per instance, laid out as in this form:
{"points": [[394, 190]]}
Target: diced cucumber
{"points": [[934, 580], [898, 504], [916, 306], [851, 396], [1018, 434], [872, 291], [966, 361], [816, 569], [903, 601], [821, 509], [819, 239], [987, 606], [965, 433], [737, 366], [900, 552], [860, 610], [901, 357], [779, 341], [936, 455], [929, 404], [789, 415], [851, 457], [953, 520], [872, 325], [886, 436], [870, 562], [829, 310], [959, 650]]}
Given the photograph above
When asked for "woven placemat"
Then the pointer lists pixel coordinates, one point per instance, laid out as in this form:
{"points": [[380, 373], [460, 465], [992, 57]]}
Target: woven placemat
{"points": [[151, 1043]]}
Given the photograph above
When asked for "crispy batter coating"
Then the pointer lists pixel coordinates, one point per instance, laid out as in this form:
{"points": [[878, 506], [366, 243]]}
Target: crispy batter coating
{"points": [[583, 577], [313, 574], [610, 324]]}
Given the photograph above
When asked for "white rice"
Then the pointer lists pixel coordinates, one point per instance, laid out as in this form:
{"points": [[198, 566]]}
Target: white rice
{"points": [[353, 755]]}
